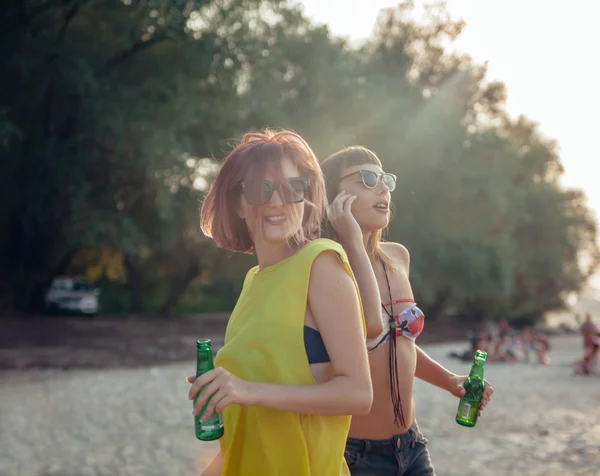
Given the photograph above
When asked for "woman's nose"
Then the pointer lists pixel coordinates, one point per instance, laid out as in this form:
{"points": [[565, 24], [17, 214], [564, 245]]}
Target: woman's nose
{"points": [[381, 186], [276, 198]]}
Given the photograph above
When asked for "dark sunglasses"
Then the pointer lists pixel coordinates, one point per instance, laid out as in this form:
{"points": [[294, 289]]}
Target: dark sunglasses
{"points": [[370, 179], [259, 193]]}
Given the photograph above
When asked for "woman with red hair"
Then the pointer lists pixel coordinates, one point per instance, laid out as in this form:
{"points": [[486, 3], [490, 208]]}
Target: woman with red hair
{"points": [[294, 365]]}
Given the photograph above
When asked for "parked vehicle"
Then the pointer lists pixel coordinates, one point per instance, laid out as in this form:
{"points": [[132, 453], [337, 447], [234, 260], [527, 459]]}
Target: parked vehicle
{"points": [[72, 294]]}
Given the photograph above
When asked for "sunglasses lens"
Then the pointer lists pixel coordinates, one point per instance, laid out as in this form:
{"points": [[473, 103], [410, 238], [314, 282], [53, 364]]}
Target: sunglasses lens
{"points": [[369, 178], [295, 192], [259, 193], [390, 181]]}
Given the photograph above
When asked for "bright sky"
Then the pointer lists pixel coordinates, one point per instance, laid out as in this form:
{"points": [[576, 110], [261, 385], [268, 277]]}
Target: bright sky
{"points": [[542, 50]]}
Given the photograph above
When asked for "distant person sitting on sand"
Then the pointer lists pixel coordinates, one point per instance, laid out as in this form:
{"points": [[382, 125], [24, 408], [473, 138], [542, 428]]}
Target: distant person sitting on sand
{"points": [[503, 347], [484, 340], [536, 341], [590, 343], [478, 340]]}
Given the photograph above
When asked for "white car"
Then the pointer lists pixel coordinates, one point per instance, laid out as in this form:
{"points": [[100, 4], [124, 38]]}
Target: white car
{"points": [[72, 294]]}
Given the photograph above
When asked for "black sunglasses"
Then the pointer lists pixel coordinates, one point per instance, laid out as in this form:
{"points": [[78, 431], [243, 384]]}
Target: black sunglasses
{"points": [[370, 179], [260, 192]]}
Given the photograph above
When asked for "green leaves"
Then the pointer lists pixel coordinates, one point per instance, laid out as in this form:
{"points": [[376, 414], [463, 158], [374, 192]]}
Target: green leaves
{"points": [[115, 113]]}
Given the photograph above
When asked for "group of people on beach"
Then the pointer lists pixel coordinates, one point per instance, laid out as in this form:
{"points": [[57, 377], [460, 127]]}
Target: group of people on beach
{"points": [[503, 343], [316, 373]]}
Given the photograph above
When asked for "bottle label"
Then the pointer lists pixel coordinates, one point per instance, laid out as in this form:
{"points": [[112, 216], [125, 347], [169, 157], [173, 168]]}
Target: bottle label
{"points": [[211, 427], [468, 411], [213, 423]]}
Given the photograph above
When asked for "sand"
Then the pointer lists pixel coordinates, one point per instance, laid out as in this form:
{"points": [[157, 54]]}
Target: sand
{"points": [[542, 421]]}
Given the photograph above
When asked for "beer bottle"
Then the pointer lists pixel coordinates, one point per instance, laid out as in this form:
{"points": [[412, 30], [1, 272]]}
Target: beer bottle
{"points": [[212, 429], [468, 407]]}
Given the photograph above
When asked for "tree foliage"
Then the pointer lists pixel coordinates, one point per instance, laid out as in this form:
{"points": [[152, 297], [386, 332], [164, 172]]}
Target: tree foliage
{"points": [[114, 113]]}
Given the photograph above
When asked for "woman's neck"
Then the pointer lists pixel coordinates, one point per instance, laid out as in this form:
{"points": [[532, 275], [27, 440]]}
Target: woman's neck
{"points": [[366, 236], [269, 254]]}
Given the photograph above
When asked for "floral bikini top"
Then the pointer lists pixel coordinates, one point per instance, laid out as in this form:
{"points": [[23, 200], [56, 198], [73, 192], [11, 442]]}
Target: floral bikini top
{"points": [[408, 323]]}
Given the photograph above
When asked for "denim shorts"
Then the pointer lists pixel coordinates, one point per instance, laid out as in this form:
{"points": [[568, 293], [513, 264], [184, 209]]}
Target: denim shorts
{"points": [[400, 455]]}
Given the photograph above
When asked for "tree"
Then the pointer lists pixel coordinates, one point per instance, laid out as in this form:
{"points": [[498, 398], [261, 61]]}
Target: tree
{"points": [[115, 114]]}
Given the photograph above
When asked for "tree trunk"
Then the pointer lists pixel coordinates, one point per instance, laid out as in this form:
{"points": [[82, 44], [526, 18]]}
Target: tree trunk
{"points": [[179, 287], [134, 284]]}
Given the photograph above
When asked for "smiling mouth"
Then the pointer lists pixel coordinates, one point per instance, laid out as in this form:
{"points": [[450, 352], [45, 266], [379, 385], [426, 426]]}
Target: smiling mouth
{"points": [[276, 220], [382, 206]]}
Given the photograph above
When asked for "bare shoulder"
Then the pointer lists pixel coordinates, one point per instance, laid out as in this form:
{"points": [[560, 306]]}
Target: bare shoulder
{"points": [[397, 252], [329, 279], [326, 267], [333, 295]]}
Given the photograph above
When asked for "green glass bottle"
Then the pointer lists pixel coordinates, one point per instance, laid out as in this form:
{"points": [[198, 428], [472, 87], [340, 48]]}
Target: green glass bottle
{"points": [[213, 428], [468, 407]]}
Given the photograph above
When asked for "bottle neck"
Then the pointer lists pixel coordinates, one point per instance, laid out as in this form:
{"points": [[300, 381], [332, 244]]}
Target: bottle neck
{"points": [[477, 369], [204, 360]]}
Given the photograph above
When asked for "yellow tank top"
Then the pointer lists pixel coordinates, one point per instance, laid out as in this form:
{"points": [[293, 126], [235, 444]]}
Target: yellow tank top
{"points": [[264, 342]]}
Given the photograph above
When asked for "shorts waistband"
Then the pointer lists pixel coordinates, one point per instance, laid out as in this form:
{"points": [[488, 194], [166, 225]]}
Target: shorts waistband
{"points": [[387, 445]]}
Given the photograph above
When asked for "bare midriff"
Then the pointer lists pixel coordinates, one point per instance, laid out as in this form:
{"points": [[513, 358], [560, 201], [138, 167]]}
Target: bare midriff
{"points": [[379, 423]]}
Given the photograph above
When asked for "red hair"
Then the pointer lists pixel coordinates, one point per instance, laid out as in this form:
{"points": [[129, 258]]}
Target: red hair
{"points": [[259, 153]]}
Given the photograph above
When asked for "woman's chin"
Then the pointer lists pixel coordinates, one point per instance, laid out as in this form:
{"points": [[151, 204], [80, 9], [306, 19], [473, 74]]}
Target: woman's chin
{"points": [[277, 238], [372, 220], [377, 224]]}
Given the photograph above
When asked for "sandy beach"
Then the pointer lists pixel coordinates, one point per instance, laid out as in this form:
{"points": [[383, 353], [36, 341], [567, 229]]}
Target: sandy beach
{"points": [[133, 422]]}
